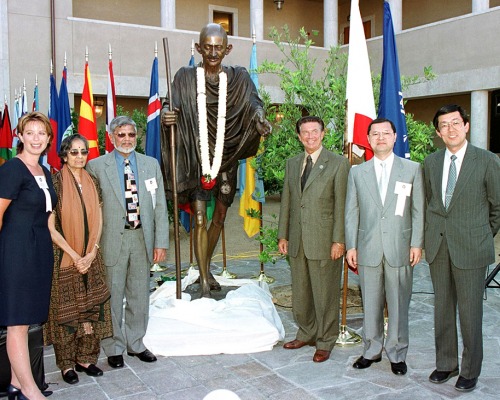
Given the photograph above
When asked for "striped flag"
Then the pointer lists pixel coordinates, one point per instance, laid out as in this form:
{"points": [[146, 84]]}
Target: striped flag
{"points": [[110, 103], [391, 104], [64, 122], [52, 157], [154, 107], [87, 122], [251, 186], [359, 91], [5, 136]]}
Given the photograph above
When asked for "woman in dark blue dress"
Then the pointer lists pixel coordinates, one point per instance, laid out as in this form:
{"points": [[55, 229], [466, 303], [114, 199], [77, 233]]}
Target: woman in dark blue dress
{"points": [[27, 198]]}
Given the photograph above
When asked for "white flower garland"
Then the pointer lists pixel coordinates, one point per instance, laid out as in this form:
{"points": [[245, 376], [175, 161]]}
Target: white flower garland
{"points": [[210, 171]]}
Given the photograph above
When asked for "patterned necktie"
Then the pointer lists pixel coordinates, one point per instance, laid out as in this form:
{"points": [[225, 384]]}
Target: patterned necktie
{"points": [[452, 181], [382, 182], [131, 197], [307, 171]]}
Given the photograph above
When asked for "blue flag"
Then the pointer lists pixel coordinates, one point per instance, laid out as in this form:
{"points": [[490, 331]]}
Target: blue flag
{"points": [[154, 107], [391, 97], [64, 123]]}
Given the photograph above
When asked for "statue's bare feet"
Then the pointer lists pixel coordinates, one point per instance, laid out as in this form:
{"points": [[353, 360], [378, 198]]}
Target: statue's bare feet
{"points": [[214, 285], [205, 292]]}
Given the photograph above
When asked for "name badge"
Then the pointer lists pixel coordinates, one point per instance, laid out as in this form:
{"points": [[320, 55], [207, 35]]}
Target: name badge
{"points": [[151, 186], [42, 184], [403, 190]]}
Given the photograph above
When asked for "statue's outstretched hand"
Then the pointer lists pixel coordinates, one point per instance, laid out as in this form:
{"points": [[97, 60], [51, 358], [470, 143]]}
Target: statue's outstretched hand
{"points": [[168, 117], [263, 126]]}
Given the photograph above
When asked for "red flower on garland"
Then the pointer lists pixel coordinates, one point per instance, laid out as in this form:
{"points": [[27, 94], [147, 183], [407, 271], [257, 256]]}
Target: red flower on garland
{"points": [[207, 183]]}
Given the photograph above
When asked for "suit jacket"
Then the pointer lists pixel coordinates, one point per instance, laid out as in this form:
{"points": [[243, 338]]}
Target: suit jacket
{"points": [[314, 216], [374, 229], [473, 216], [154, 222]]}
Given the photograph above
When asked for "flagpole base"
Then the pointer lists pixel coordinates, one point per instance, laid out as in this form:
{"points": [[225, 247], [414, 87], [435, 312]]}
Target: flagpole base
{"points": [[228, 275], [347, 337], [157, 268], [264, 278]]}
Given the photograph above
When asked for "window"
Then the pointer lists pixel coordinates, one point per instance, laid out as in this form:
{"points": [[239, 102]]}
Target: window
{"points": [[368, 26], [227, 17], [225, 20]]}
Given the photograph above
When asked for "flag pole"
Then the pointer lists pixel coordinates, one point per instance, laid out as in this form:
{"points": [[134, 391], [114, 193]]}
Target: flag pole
{"points": [[347, 336], [173, 164]]}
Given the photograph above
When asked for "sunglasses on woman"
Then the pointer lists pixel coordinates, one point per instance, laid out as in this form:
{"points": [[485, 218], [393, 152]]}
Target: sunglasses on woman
{"points": [[75, 152]]}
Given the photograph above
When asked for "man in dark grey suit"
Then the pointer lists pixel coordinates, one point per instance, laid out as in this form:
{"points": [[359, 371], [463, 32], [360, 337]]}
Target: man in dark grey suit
{"points": [[311, 233], [463, 215], [384, 237], [134, 236]]}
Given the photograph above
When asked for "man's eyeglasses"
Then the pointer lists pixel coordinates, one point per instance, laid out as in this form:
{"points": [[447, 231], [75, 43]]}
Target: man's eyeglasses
{"points": [[455, 124], [75, 152], [121, 135], [381, 135]]}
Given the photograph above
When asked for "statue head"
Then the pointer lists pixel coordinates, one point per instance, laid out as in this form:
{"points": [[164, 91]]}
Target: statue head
{"points": [[213, 47]]}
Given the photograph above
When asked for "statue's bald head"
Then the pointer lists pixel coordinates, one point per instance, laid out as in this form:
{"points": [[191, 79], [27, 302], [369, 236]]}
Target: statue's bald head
{"points": [[213, 47], [213, 30]]}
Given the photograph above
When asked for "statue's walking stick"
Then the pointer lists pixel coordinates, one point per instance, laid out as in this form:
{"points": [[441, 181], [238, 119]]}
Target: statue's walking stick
{"points": [[173, 169]]}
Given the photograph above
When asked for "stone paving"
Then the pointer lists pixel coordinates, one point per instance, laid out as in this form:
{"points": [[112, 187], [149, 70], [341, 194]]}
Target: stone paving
{"points": [[291, 374]]}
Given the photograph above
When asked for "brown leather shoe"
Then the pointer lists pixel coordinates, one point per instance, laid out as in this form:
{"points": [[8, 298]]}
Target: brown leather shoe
{"points": [[321, 355], [297, 344]]}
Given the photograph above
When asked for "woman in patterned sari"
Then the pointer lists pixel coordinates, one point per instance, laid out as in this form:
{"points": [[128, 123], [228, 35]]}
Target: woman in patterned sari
{"points": [[79, 315]]}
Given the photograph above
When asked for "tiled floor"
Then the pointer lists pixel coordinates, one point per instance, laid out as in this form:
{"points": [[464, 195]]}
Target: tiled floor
{"points": [[287, 374]]}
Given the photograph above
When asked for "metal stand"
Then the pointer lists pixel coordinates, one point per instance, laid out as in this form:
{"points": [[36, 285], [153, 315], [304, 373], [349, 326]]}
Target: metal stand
{"points": [[157, 268], [491, 277], [347, 336], [262, 277], [225, 273]]}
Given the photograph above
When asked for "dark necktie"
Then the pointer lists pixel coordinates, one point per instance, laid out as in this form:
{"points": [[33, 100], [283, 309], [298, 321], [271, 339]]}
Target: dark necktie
{"points": [[307, 171], [131, 197], [452, 181]]}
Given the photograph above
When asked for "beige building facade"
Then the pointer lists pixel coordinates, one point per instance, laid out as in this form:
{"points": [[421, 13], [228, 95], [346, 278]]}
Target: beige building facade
{"points": [[457, 38]]}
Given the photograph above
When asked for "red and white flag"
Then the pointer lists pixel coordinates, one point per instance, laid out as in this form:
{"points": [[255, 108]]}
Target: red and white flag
{"points": [[359, 91]]}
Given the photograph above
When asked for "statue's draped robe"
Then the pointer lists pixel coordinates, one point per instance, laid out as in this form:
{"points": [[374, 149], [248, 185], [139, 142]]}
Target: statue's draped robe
{"points": [[241, 136]]}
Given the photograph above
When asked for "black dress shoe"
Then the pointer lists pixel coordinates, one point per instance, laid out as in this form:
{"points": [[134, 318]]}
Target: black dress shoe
{"points": [[442, 376], [115, 361], [362, 363], [13, 392], [91, 370], [70, 377], [465, 385], [399, 368], [145, 356]]}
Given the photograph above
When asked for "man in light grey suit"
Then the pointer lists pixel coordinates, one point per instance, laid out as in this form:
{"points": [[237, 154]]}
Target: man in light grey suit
{"points": [[134, 236], [311, 233], [463, 216], [384, 238]]}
